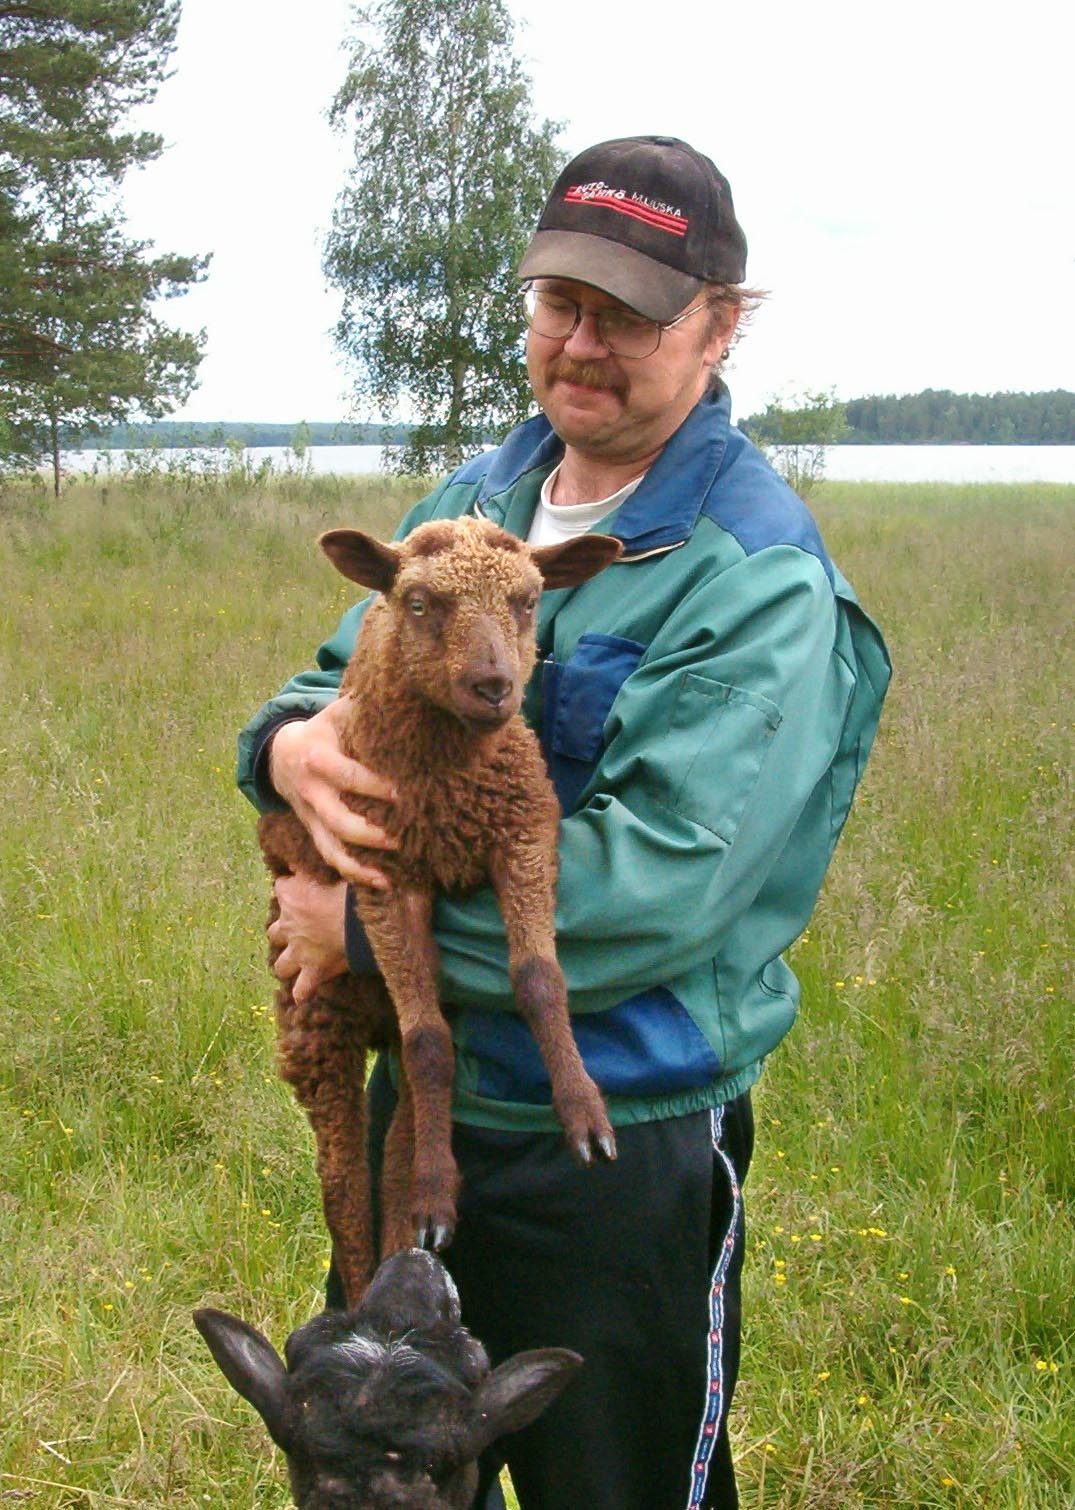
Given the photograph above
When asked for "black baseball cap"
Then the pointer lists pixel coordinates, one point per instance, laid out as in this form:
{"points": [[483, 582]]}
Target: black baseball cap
{"points": [[646, 219]]}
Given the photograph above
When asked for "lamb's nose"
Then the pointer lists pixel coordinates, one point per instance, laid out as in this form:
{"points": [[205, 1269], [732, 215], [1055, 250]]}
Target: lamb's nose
{"points": [[492, 689]]}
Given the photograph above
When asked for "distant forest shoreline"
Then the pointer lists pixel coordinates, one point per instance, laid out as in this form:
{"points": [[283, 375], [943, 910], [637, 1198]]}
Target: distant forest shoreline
{"points": [[936, 417], [178, 435]]}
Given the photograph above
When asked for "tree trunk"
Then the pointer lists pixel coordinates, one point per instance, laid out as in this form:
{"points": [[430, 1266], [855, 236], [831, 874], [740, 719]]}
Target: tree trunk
{"points": [[54, 435], [453, 426]]}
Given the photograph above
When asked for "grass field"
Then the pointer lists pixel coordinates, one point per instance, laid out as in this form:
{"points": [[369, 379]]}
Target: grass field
{"points": [[910, 1333]]}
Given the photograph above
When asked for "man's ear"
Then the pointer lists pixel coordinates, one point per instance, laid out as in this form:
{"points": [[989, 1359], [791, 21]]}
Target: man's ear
{"points": [[251, 1365], [722, 335], [575, 561], [362, 558], [516, 1393]]}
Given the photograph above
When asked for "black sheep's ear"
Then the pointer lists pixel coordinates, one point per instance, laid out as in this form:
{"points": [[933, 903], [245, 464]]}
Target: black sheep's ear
{"points": [[516, 1393], [251, 1366], [362, 558], [575, 561]]}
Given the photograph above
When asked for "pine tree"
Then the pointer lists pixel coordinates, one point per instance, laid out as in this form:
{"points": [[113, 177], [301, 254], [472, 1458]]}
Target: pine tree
{"points": [[450, 174], [80, 344]]}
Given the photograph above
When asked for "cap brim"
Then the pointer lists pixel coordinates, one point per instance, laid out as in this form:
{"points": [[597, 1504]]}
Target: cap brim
{"points": [[654, 290]]}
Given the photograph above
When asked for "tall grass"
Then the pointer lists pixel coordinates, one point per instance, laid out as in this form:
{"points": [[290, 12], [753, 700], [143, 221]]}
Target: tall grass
{"points": [[909, 1319]]}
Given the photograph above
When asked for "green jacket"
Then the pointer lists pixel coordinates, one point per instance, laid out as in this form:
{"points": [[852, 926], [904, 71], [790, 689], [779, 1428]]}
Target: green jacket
{"points": [[706, 706]]}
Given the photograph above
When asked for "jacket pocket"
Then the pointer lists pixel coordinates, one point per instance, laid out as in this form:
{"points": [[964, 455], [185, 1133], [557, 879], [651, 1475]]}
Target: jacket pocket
{"points": [[718, 739], [577, 696]]}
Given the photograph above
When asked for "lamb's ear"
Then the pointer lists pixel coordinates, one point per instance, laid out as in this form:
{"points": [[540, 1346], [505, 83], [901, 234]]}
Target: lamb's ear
{"points": [[516, 1393], [575, 561], [358, 556], [251, 1365]]}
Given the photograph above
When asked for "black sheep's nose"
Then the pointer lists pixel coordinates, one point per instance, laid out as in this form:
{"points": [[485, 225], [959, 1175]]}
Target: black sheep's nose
{"points": [[492, 689]]}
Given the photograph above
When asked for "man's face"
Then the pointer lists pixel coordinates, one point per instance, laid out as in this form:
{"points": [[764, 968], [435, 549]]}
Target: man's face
{"points": [[612, 408]]}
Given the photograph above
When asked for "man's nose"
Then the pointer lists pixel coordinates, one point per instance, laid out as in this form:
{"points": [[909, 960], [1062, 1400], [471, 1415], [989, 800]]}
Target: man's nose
{"points": [[584, 343]]}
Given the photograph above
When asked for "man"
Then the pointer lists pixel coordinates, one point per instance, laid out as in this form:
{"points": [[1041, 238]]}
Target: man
{"points": [[706, 707]]}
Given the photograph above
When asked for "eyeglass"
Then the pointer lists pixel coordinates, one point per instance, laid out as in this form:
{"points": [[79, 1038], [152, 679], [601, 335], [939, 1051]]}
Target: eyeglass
{"points": [[621, 331]]}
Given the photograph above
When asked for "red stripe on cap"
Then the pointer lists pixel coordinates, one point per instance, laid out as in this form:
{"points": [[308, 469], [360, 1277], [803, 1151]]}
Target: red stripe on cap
{"points": [[676, 224]]}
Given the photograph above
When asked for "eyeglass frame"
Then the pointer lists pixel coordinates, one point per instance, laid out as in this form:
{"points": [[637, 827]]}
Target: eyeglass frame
{"points": [[659, 325]]}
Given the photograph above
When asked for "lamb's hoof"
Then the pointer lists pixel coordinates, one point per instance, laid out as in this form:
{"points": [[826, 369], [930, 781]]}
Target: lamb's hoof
{"points": [[433, 1209], [603, 1143], [606, 1146], [589, 1132], [436, 1237]]}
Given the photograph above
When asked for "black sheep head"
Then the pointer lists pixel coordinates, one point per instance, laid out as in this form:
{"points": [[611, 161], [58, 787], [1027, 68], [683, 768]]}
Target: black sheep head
{"points": [[386, 1407]]}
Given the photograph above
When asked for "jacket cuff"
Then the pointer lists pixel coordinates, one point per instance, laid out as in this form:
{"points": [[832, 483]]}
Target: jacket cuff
{"points": [[269, 799], [360, 957]]}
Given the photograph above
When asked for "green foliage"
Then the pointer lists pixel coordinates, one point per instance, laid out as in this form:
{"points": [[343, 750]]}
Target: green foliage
{"points": [[71, 70], [941, 417], [80, 343], [449, 177], [795, 431], [91, 349]]}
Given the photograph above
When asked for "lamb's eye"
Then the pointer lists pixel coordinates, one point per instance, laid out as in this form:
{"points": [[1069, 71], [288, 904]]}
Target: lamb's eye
{"points": [[416, 606]]}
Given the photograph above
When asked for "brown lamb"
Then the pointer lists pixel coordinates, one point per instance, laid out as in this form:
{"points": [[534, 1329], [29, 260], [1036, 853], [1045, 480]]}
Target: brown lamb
{"points": [[436, 682]]}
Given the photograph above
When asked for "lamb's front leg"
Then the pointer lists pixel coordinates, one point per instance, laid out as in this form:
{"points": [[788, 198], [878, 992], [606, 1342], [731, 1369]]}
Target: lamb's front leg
{"points": [[522, 876], [397, 1165], [399, 925]]}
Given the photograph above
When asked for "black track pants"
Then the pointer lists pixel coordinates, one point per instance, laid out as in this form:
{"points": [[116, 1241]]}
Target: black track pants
{"points": [[636, 1265]]}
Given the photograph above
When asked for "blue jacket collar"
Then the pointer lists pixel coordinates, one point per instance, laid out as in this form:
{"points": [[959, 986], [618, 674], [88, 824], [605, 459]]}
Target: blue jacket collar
{"points": [[664, 509]]}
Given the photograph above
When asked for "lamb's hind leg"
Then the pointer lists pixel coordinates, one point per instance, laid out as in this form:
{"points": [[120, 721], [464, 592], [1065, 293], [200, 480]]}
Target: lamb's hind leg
{"points": [[399, 925], [322, 1054], [521, 877]]}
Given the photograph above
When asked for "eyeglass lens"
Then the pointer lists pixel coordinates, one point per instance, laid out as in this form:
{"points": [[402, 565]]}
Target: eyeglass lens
{"points": [[623, 333]]}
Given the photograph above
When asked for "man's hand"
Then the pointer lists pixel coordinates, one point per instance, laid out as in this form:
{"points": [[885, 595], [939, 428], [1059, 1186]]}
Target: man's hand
{"points": [[310, 931], [310, 773]]}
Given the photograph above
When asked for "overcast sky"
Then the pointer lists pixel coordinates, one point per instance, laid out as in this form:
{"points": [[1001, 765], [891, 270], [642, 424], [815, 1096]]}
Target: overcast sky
{"points": [[903, 175]]}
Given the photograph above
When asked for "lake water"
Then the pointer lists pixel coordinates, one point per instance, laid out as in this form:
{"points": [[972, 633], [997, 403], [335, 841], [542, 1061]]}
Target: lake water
{"points": [[843, 463], [951, 463]]}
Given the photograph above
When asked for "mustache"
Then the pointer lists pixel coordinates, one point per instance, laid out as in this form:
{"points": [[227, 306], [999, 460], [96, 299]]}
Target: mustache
{"points": [[588, 374]]}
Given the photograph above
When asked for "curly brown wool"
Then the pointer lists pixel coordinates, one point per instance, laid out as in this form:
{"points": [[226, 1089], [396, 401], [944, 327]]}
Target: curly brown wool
{"points": [[435, 684]]}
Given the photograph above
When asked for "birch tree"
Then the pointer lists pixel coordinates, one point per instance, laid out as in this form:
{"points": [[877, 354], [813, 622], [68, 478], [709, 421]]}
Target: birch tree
{"points": [[449, 176]]}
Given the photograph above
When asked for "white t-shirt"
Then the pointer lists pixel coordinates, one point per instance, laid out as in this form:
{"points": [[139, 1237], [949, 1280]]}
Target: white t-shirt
{"points": [[555, 522]]}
